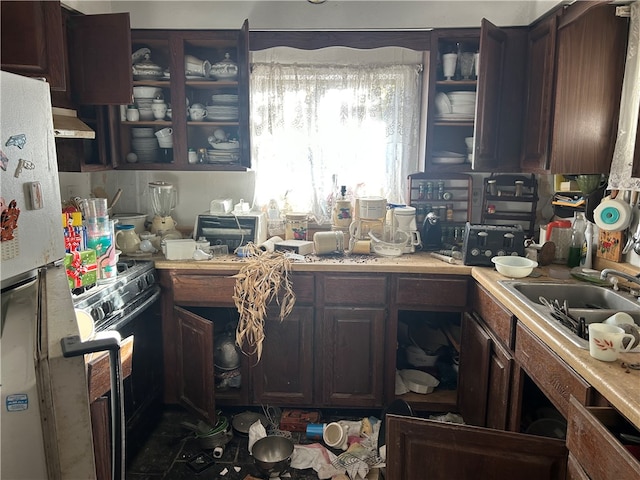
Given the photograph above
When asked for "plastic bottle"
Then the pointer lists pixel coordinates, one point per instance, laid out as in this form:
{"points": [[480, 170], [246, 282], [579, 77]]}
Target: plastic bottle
{"points": [[587, 258], [577, 240]]}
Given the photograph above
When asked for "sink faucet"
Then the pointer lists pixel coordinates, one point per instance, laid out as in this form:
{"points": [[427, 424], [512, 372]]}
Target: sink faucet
{"points": [[610, 271]]}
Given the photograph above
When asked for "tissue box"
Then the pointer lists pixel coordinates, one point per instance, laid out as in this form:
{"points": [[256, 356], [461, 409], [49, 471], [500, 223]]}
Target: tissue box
{"points": [[82, 268], [180, 249]]}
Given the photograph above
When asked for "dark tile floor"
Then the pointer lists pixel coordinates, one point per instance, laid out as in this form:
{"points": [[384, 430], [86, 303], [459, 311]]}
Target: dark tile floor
{"points": [[171, 449]]}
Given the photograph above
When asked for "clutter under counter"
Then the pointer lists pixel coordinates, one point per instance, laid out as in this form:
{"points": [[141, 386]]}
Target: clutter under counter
{"points": [[616, 390]]}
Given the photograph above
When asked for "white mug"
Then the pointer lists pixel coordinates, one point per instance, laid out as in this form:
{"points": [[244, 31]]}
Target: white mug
{"points": [[359, 229], [605, 341], [197, 114], [164, 133]]}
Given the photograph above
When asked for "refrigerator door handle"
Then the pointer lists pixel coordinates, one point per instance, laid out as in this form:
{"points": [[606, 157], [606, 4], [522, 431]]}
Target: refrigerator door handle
{"points": [[72, 346]]}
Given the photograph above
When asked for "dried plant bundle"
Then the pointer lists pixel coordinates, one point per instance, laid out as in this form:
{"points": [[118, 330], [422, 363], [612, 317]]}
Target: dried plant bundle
{"points": [[263, 278]]}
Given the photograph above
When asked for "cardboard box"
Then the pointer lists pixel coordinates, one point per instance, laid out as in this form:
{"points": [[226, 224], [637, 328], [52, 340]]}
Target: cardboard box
{"points": [[297, 420], [82, 268], [301, 247]]}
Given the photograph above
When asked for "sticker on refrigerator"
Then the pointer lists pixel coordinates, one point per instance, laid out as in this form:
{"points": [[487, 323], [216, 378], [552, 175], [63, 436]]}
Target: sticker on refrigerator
{"points": [[9, 221], [16, 141], [4, 161], [17, 402]]}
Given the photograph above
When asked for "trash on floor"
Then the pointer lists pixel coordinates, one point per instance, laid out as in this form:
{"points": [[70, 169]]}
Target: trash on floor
{"points": [[359, 439]]}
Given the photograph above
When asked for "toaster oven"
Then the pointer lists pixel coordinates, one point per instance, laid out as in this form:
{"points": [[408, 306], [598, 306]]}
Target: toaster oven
{"points": [[231, 230]]}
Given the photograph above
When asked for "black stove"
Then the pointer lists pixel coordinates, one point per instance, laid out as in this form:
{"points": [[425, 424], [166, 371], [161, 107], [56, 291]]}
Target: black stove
{"points": [[113, 304]]}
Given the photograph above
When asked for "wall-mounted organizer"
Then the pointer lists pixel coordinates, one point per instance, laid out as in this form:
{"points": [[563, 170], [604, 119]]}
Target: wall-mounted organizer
{"points": [[510, 200], [447, 194]]}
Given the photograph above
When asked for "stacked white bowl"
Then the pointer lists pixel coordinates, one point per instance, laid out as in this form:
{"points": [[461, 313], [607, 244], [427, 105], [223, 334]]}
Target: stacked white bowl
{"points": [[144, 144], [143, 97], [463, 103]]}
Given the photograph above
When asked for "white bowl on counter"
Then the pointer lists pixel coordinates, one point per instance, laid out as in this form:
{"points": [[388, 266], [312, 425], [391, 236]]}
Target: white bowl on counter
{"points": [[514, 267]]}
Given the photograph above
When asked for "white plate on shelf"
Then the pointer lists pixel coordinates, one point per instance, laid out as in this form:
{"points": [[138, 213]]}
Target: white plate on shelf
{"points": [[447, 158], [455, 116], [443, 104]]}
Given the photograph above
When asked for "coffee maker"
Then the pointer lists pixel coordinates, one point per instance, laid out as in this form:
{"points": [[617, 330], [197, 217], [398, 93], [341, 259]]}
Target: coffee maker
{"points": [[404, 218], [431, 232]]}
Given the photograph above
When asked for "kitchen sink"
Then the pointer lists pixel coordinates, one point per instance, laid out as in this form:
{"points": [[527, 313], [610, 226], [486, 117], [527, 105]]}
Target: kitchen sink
{"points": [[594, 303], [591, 297]]}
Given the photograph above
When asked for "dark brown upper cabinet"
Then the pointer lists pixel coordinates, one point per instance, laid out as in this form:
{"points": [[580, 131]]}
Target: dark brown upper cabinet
{"points": [[499, 85], [576, 60]]}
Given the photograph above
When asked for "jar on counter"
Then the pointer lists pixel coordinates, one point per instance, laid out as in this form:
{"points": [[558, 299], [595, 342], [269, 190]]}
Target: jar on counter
{"points": [[519, 187], [296, 226]]}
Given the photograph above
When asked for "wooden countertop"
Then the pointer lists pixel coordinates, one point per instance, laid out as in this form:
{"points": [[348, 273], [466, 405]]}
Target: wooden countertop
{"points": [[621, 389], [414, 263]]}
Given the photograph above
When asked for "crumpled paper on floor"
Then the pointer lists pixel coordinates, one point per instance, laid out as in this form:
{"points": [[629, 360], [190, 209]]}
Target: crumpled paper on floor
{"points": [[315, 456], [256, 432]]}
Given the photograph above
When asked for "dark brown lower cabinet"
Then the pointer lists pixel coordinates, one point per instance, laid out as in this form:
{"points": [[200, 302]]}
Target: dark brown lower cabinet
{"points": [[485, 376], [284, 374], [426, 449], [194, 344], [351, 357]]}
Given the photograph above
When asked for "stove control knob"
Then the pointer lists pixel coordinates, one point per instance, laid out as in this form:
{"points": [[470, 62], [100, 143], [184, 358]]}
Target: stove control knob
{"points": [[488, 253], [142, 282], [151, 279], [501, 253], [107, 307], [97, 313], [475, 252]]}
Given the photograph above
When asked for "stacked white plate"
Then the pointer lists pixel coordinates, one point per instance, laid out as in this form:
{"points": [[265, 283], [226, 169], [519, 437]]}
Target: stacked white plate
{"points": [[224, 99], [142, 132], [447, 158], [463, 103], [145, 147], [143, 98], [222, 156], [222, 112]]}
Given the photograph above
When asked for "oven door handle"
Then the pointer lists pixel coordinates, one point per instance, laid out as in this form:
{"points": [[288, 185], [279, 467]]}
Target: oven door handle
{"points": [[139, 309]]}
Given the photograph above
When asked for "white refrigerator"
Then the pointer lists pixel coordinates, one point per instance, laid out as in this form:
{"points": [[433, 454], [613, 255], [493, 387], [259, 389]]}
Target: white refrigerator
{"points": [[44, 415]]}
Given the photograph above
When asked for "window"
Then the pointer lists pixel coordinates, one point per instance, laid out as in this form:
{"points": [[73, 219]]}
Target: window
{"points": [[312, 123]]}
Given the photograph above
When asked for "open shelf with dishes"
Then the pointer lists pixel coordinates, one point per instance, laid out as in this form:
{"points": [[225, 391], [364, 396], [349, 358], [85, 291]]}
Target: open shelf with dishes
{"points": [[453, 84], [191, 87]]}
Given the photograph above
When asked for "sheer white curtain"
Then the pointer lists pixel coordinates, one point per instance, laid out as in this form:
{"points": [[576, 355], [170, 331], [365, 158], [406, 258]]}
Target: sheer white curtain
{"points": [[622, 163], [311, 122]]}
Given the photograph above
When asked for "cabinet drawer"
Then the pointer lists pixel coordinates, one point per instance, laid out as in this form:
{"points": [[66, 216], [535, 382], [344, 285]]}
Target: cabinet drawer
{"points": [[218, 289], [500, 320], [203, 289], [554, 377], [369, 290], [593, 445], [431, 291]]}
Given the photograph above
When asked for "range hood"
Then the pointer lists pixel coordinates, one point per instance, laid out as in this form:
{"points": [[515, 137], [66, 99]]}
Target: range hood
{"points": [[66, 124]]}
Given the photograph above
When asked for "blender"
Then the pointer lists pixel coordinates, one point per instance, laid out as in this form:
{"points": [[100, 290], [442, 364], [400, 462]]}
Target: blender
{"points": [[163, 201]]}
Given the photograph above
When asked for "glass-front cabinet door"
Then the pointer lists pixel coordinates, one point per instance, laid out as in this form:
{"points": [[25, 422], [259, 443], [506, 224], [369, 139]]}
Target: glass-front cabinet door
{"points": [[190, 105]]}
